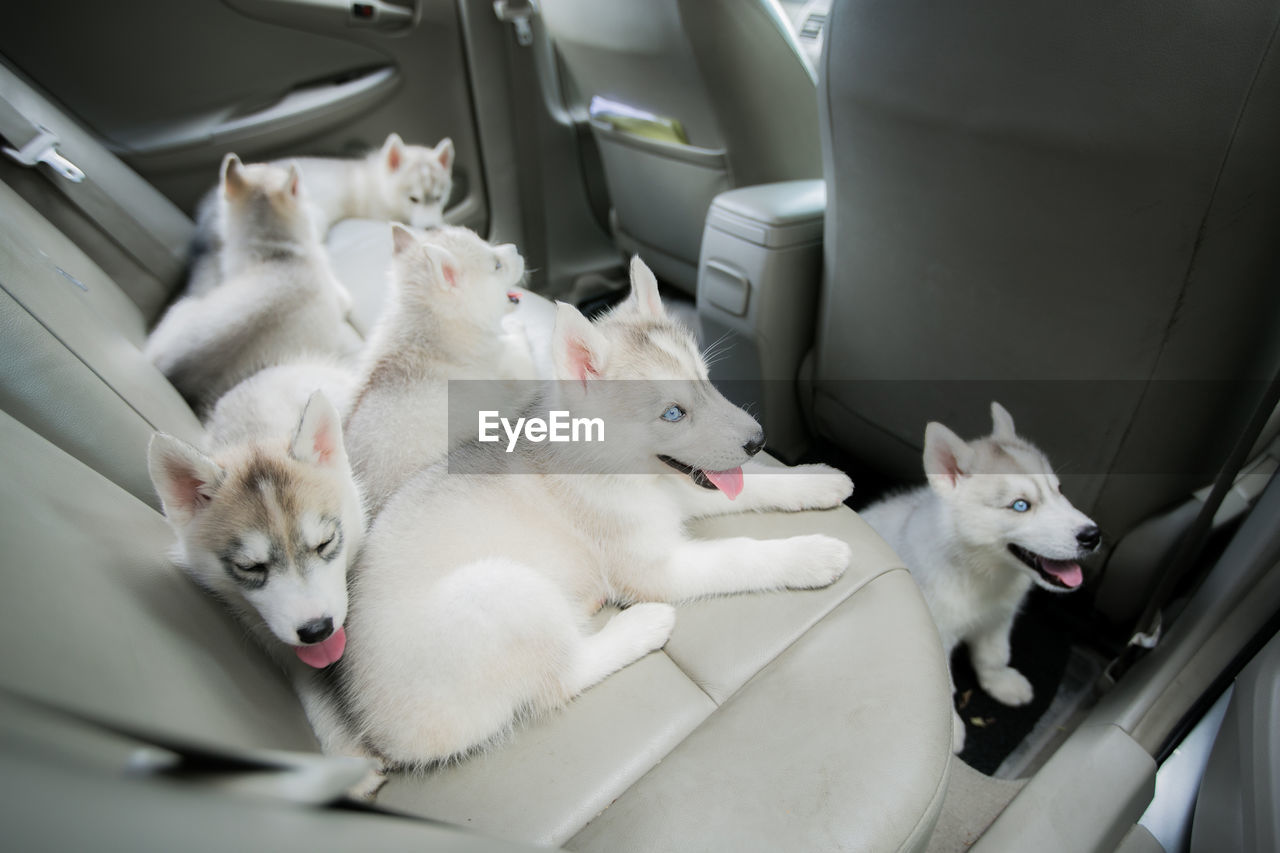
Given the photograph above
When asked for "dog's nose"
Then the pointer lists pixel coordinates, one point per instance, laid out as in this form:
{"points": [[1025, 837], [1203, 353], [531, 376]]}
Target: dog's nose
{"points": [[755, 445], [315, 630], [1089, 537]]}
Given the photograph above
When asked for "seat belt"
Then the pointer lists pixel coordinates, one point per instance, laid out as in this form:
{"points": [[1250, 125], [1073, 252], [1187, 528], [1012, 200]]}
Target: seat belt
{"points": [[1149, 627], [526, 104], [298, 777], [32, 145]]}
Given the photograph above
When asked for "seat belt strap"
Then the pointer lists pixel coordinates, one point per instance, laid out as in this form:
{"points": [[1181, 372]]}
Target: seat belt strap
{"points": [[1149, 626], [30, 144]]}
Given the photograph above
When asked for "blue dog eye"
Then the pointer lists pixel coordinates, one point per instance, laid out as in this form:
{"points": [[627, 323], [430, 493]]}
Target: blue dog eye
{"points": [[1019, 505], [673, 414]]}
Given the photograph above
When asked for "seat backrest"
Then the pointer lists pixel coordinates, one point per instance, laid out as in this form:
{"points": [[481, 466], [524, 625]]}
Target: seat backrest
{"points": [[139, 237], [95, 619], [1072, 209], [71, 362], [729, 71]]}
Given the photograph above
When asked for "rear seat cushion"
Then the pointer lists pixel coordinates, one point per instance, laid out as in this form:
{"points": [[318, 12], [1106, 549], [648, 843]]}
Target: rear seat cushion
{"points": [[789, 720], [95, 618], [72, 367], [802, 719], [789, 714]]}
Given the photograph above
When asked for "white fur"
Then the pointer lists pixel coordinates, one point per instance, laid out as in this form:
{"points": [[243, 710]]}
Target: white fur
{"points": [[270, 401], [398, 183], [280, 300], [470, 605], [443, 320], [954, 536], [226, 514]]}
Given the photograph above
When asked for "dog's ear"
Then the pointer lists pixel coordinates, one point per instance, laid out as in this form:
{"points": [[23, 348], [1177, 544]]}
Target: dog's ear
{"points": [[293, 183], [232, 176], [185, 479], [319, 436], [578, 350], [644, 298], [421, 266], [402, 239], [1001, 423], [393, 152], [444, 153], [947, 457], [441, 266]]}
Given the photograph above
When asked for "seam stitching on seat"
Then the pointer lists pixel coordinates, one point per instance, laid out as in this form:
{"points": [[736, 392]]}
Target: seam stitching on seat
{"points": [[76, 355], [763, 666]]}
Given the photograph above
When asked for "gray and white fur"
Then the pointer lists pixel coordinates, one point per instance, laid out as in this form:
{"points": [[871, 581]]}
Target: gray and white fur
{"points": [[444, 319], [471, 600], [398, 183], [992, 523], [279, 302]]}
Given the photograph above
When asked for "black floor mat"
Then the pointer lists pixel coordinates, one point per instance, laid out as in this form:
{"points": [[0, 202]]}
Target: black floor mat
{"points": [[1040, 649]]}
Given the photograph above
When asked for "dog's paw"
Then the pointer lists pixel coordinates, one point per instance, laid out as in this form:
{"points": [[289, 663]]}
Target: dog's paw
{"points": [[1006, 685], [957, 732], [648, 625], [368, 787], [816, 561], [824, 487]]}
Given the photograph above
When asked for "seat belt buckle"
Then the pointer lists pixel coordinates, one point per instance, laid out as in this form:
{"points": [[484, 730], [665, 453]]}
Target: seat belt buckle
{"points": [[43, 148], [1149, 639], [517, 13]]}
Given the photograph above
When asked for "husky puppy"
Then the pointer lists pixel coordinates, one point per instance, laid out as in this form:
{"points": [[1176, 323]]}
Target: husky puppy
{"points": [[269, 526], [400, 183], [444, 320], [991, 523], [270, 401], [281, 299], [459, 626], [268, 519]]}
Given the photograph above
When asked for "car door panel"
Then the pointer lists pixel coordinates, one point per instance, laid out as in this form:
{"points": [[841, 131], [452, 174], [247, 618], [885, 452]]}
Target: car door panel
{"points": [[171, 87]]}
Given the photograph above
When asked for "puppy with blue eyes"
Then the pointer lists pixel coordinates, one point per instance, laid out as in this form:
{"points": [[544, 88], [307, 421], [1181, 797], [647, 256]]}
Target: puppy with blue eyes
{"points": [[991, 523]]}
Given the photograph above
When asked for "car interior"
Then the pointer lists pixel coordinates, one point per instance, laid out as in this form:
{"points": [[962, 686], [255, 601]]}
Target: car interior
{"points": [[875, 215]]}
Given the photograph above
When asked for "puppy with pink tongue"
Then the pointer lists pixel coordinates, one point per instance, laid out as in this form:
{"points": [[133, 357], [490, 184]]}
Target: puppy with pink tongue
{"points": [[991, 523], [460, 625]]}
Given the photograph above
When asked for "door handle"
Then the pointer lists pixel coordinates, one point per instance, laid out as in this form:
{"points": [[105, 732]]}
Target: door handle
{"points": [[330, 14]]}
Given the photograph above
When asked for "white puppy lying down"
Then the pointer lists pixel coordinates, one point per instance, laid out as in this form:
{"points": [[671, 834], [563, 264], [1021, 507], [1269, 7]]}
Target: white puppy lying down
{"points": [[470, 602]]}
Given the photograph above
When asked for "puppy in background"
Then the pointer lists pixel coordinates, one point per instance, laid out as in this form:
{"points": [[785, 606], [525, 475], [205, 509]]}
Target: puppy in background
{"points": [[398, 183], [281, 300], [991, 523]]}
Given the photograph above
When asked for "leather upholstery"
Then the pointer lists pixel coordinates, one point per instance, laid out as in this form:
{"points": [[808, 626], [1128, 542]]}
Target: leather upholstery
{"points": [[809, 719], [1059, 207]]}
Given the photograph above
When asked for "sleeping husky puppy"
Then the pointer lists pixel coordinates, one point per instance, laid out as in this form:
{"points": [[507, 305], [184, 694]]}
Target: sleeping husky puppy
{"points": [[459, 626], [269, 523], [399, 183], [269, 526], [992, 522], [280, 302], [444, 320]]}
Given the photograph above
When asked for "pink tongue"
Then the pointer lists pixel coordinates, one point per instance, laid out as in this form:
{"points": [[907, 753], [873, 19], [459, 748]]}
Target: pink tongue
{"points": [[321, 655], [1069, 573], [729, 482]]}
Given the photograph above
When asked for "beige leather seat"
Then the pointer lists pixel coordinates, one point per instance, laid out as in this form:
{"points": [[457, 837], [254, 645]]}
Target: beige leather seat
{"points": [[1061, 208], [800, 720], [728, 71]]}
